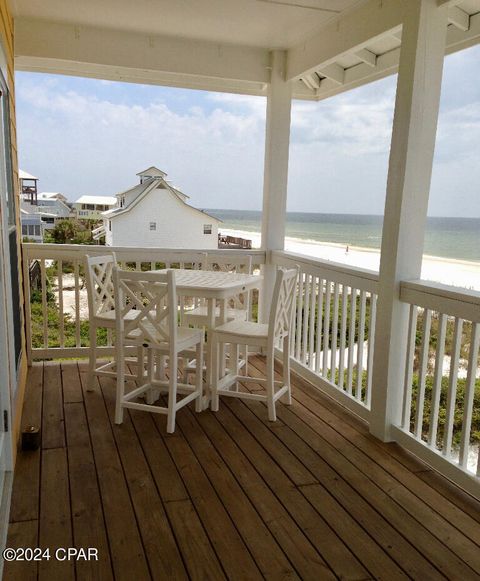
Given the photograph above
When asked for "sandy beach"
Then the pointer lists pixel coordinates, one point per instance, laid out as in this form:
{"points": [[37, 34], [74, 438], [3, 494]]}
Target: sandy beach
{"points": [[445, 270]]}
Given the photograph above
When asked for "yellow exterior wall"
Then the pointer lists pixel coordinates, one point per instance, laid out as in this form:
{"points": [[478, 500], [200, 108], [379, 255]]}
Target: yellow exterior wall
{"points": [[7, 39]]}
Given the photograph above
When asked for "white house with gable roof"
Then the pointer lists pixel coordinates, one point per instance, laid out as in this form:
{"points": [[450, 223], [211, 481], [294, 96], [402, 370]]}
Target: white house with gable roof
{"points": [[156, 214]]}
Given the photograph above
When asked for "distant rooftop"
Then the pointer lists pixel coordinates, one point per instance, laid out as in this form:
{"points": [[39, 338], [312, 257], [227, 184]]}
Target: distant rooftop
{"points": [[51, 196], [105, 200], [23, 175], [152, 172]]}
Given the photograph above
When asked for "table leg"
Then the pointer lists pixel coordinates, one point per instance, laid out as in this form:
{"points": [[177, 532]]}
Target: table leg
{"points": [[222, 355], [209, 352]]}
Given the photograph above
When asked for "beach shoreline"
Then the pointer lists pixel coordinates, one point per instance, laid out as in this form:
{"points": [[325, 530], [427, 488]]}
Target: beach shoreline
{"points": [[459, 273]]}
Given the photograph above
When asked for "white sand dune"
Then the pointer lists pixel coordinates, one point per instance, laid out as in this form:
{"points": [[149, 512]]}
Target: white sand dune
{"points": [[459, 273]]}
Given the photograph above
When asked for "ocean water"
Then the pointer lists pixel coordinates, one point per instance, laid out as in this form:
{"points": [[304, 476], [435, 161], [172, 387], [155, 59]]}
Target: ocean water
{"points": [[457, 238]]}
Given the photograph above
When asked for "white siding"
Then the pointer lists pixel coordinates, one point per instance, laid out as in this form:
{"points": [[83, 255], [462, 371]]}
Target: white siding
{"points": [[177, 225]]}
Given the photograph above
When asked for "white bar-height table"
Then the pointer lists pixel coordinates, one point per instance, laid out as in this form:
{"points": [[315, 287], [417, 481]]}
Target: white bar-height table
{"points": [[213, 286]]}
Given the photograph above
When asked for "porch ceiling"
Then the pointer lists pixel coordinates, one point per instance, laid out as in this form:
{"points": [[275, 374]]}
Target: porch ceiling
{"points": [[223, 45], [260, 23]]}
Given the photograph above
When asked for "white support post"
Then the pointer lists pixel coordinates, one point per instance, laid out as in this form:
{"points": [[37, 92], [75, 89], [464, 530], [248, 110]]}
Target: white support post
{"points": [[277, 142], [408, 184]]}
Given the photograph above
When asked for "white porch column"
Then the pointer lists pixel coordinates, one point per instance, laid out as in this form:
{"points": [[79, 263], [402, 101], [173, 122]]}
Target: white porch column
{"points": [[277, 141], [408, 184]]}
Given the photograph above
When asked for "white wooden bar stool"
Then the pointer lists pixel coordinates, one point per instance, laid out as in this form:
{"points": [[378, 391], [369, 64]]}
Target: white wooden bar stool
{"points": [[101, 313], [147, 308], [264, 336]]}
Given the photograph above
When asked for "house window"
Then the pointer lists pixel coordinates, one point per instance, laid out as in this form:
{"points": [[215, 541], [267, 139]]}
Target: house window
{"points": [[32, 230], [207, 228], [153, 225], [109, 225], [24, 230], [122, 201]]}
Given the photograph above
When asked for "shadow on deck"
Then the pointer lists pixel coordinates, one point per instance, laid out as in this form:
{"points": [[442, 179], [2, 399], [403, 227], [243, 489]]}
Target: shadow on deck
{"points": [[229, 495]]}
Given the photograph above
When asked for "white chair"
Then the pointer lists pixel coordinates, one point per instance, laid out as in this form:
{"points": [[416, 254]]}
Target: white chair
{"points": [[101, 311], [147, 308], [266, 336]]}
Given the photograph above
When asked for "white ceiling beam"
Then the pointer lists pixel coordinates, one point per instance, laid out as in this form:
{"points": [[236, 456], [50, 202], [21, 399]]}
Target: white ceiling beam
{"points": [[313, 80], [305, 80], [367, 56], [448, 2], [127, 56], [458, 18], [334, 72], [301, 91], [354, 30], [459, 40]]}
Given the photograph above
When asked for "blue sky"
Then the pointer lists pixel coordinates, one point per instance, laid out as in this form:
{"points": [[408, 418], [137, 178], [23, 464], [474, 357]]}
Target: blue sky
{"points": [[85, 136]]}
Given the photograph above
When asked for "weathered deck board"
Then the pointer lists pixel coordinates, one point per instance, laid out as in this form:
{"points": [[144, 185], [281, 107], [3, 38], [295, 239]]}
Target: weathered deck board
{"points": [[229, 495]]}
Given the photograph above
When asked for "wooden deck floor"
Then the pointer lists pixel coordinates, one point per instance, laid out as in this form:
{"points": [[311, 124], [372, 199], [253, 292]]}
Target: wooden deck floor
{"points": [[229, 495]]}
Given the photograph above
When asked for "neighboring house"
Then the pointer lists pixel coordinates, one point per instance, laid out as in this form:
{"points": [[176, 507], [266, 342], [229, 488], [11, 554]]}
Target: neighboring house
{"points": [[155, 213], [54, 203], [33, 226], [39, 211], [92, 207]]}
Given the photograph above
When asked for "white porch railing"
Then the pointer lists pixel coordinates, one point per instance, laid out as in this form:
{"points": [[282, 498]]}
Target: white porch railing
{"points": [[441, 373], [334, 328], [52, 334]]}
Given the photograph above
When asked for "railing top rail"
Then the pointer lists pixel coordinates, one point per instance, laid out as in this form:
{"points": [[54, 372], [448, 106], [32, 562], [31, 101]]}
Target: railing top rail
{"points": [[350, 275], [128, 253], [450, 300]]}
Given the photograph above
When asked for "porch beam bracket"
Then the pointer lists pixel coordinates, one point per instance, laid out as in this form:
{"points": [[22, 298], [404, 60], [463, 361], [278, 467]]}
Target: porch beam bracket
{"points": [[367, 56], [459, 18], [334, 72]]}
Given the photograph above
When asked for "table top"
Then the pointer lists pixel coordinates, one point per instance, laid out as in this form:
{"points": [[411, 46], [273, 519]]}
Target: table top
{"points": [[213, 284]]}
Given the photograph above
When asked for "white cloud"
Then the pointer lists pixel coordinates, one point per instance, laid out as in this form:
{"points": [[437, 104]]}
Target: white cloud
{"points": [[352, 127], [83, 144], [212, 146]]}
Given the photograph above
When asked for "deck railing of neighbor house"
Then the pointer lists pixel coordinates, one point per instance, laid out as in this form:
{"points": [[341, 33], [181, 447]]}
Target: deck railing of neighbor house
{"points": [[333, 342]]}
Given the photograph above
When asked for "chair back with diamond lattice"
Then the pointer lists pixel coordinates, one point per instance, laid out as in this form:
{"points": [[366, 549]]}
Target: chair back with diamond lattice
{"points": [[99, 275], [283, 300], [146, 307]]}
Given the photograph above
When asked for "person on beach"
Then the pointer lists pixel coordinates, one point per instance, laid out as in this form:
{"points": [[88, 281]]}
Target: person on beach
{"points": [[346, 250]]}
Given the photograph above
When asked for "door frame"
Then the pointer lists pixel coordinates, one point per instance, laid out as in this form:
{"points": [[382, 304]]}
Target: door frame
{"points": [[8, 366]]}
